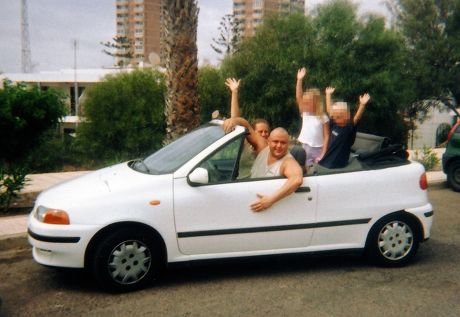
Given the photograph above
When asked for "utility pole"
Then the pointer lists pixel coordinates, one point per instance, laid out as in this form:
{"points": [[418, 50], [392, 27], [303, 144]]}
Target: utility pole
{"points": [[75, 83], [26, 59]]}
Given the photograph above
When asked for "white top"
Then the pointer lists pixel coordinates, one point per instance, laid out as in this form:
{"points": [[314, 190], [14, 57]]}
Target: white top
{"points": [[260, 168], [312, 129], [246, 161]]}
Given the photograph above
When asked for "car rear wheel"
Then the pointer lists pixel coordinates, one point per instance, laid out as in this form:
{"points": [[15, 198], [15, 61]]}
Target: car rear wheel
{"points": [[126, 260], [394, 240], [453, 175]]}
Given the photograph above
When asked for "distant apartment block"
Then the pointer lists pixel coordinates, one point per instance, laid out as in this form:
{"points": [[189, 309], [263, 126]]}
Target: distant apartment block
{"points": [[140, 22], [250, 13]]}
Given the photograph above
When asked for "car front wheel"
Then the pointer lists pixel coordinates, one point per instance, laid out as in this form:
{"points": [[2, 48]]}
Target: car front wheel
{"points": [[126, 260], [453, 175], [394, 240]]}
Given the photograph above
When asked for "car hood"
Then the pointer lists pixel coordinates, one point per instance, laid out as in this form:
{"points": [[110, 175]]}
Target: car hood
{"points": [[97, 184]]}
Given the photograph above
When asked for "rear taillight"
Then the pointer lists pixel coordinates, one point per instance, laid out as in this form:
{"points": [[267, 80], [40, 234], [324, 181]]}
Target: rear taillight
{"points": [[452, 131], [423, 181]]}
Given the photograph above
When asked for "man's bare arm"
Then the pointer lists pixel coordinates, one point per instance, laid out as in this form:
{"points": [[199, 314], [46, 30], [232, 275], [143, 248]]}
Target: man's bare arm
{"points": [[290, 169]]}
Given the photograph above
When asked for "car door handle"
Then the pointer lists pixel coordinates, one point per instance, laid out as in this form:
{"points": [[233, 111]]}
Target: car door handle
{"points": [[303, 190]]}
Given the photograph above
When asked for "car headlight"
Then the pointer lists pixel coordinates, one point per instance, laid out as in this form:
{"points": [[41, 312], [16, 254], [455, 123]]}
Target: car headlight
{"points": [[52, 216]]}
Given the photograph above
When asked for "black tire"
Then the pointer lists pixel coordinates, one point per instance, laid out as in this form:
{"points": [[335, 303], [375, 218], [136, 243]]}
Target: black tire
{"points": [[126, 260], [394, 240], [453, 175]]}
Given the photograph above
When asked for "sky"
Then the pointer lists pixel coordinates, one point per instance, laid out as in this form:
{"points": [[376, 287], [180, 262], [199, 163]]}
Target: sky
{"points": [[54, 25]]}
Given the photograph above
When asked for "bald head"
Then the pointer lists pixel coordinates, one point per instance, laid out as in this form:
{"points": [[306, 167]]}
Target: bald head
{"points": [[280, 132], [278, 142]]}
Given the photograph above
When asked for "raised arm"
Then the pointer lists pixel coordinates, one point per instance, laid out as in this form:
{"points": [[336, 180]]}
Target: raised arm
{"points": [[363, 100], [298, 87], [234, 84], [257, 142], [293, 172], [329, 91]]}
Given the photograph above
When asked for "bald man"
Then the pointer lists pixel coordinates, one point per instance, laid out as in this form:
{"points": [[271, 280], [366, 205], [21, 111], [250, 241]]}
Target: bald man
{"points": [[273, 159]]}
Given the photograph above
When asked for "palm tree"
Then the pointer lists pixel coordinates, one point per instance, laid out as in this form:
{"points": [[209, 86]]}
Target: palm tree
{"points": [[179, 55]]}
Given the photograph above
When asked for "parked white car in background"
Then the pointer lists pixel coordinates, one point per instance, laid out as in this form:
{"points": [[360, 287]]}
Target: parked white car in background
{"points": [[185, 203]]}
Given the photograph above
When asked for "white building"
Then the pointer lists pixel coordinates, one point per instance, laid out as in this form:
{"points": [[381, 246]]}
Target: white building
{"points": [[427, 133], [67, 80]]}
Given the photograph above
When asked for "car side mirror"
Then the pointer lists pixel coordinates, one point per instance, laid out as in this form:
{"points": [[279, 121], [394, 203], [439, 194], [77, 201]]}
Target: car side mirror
{"points": [[199, 176]]}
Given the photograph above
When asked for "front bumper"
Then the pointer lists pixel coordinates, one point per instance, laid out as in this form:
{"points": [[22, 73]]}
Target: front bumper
{"points": [[59, 245]]}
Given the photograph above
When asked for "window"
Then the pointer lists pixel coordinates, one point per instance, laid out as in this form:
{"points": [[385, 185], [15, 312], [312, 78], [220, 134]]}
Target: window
{"points": [[72, 99], [258, 4], [177, 153], [222, 165]]}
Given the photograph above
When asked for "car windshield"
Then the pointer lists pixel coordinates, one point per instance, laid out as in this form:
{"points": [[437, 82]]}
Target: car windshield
{"points": [[174, 155]]}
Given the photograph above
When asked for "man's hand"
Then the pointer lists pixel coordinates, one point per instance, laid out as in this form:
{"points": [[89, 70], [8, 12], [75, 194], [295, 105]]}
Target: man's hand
{"points": [[301, 73], [363, 99], [233, 84], [263, 203], [330, 90]]}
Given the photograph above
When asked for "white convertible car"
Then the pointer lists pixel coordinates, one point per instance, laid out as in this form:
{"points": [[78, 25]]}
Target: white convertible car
{"points": [[185, 202]]}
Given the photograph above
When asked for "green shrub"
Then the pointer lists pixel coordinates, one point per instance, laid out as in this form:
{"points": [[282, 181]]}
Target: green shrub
{"points": [[428, 159], [25, 114], [124, 117], [12, 180]]}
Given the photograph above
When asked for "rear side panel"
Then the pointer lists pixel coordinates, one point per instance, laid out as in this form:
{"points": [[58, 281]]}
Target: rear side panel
{"points": [[355, 201]]}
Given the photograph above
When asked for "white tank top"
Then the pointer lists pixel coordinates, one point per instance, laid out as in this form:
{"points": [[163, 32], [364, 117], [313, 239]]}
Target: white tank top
{"points": [[312, 129], [262, 169]]}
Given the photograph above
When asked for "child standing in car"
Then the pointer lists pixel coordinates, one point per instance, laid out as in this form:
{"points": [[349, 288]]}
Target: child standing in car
{"points": [[343, 130], [314, 134]]}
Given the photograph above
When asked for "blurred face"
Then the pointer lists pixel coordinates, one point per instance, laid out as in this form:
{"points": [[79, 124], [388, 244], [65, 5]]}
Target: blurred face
{"points": [[307, 102], [262, 129], [341, 117], [278, 142]]}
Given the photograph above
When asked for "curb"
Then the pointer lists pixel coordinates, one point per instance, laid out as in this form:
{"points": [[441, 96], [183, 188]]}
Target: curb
{"points": [[13, 241]]}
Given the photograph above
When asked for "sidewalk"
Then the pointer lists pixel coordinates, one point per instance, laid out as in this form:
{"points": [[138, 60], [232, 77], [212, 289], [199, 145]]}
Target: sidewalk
{"points": [[16, 226]]}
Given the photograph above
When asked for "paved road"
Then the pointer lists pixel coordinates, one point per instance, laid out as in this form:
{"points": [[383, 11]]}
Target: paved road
{"points": [[295, 286]]}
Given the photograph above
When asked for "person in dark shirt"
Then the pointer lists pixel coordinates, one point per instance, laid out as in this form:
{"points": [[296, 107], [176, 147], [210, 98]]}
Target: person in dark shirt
{"points": [[343, 130]]}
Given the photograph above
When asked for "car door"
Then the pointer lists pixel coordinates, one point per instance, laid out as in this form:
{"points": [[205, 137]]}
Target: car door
{"points": [[216, 217]]}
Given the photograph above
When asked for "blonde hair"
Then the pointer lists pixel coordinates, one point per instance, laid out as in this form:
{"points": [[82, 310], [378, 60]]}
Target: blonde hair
{"points": [[317, 100]]}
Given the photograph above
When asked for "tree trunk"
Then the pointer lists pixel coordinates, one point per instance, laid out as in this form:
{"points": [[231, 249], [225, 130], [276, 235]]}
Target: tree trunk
{"points": [[179, 20]]}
